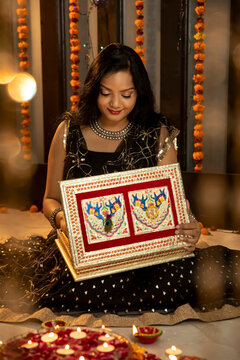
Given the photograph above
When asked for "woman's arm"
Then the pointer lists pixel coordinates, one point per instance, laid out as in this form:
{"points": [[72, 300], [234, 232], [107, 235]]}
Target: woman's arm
{"points": [[52, 196], [190, 232]]}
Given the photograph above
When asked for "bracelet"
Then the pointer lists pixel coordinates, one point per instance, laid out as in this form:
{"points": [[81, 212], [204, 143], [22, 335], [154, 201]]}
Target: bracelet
{"points": [[52, 217]]}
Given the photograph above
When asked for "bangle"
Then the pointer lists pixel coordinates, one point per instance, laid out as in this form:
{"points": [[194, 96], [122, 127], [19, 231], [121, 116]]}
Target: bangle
{"points": [[52, 217]]}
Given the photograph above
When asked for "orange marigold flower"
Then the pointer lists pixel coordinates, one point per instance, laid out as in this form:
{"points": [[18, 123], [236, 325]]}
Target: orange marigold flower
{"points": [[198, 146], [139, 12], [73, 2], [140, 51], [23, 45], [200, 10], [198, 127], [22, 2], [200, 27], [198, 168], [199, 117], [199, 56], [139, 23], [198, 155], [26, 122], [26, 140], [22, 21], [33, 209], [74, 98], [199, 67], [76, 48], [75, 75], [204, 231], [198, 134], [140, 38], [198, 78], [74, 42], [73, 8], [198, 98], [198, 89], [74, 58], [22, 12], [199, 45], [73, 16], [143, 59], [27, 156], [25, 132], [198, 107], [73, 32], [27, 148], [75, 84]]}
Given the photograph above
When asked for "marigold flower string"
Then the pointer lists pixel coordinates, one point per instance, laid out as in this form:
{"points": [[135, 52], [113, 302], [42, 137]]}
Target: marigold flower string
{"points": [[199, 79], [139, 22], [24, 64], [75, 48]]}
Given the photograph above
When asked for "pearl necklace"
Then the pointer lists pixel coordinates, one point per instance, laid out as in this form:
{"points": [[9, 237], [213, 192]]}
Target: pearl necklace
{"points": [[110, 135]]}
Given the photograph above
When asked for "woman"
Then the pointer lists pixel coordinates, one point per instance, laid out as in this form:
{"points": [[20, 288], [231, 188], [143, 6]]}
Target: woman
{"points": [[115, 128]]}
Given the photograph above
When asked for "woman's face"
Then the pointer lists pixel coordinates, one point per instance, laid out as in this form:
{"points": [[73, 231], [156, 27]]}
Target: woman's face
{"points": [[117, 97]]}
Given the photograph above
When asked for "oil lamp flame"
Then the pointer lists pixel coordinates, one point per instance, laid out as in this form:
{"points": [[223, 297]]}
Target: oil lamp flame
{"points": [[134, 330]]}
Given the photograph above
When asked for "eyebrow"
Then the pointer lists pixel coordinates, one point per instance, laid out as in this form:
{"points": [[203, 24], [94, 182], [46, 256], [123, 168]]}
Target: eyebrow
{"points": [[131, 88]]}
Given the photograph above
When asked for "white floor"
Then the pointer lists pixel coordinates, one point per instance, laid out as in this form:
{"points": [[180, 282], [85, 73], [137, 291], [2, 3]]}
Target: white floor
{"points": [[212, 341]]}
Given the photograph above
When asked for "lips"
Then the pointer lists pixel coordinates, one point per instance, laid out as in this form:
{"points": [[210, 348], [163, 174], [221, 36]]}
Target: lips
{"points": [[114, 112]]}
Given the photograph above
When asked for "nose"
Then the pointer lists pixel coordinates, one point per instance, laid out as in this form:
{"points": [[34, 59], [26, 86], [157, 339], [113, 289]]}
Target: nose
{"points": [[115, 101]]}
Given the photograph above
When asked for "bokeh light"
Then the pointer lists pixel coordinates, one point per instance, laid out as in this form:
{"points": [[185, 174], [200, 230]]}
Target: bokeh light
{"points": [[7, 68], [23, 87], [9, 146]]}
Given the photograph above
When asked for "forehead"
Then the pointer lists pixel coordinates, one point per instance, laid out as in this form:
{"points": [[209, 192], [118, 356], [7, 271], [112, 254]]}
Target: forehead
{"points": [[121, 79]]}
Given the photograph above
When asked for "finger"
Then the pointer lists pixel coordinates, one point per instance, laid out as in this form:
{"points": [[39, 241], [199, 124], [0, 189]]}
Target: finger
{"points": [[190, 248]]}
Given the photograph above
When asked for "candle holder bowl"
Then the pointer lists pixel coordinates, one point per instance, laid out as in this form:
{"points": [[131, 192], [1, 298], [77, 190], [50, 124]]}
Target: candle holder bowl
{"points": [[147, 334], [54, 324]]}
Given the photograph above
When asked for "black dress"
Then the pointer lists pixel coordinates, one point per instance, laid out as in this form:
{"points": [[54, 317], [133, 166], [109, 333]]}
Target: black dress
{"points": [[33, 273]]}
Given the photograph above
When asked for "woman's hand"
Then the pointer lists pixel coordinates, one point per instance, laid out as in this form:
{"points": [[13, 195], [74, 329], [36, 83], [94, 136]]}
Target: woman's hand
{"points": [[189, 232]]}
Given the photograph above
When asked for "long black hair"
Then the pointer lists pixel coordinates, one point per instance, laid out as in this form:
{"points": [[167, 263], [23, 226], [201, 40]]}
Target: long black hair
{"points": [[113, 58]]}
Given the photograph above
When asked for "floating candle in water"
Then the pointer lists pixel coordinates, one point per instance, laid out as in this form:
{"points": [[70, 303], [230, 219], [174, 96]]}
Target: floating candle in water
{"points": [[65, 351], [173, 350], [49, 337], [105, 347], [78, 334], [30, 345], [106, 337]]}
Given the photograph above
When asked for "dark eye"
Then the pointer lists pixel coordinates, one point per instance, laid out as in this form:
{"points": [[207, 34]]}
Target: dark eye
{"points": [[126, 96]]}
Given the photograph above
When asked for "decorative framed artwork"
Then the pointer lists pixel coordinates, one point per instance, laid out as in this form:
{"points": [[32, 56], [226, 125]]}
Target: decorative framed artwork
{"points": [[122, 221]]}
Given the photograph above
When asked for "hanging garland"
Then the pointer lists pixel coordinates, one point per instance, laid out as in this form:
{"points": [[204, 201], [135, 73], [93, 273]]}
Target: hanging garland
{"points": [[75, 48], [24, 65], [139, 22], [199, 78]]}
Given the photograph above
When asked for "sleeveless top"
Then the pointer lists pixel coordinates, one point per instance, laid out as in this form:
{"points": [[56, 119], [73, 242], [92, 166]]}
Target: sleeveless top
{"points": [[138, 150]]}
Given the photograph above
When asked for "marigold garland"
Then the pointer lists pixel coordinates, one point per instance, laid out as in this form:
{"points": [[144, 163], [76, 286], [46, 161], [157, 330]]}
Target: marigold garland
{"points": [[75, 48], [24, 64], [199, 79], [139, 22]]}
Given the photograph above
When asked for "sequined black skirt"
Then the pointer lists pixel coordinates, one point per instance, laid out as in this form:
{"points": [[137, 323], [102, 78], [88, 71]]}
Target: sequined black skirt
{"points": [[33, 275]]}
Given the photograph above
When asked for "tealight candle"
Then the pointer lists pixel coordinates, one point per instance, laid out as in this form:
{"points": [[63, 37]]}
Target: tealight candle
{"points": [[106, 337], [30, 345], [105, 347], [78, 334], [172, 357], [65, 351], [49, 337], [173, 350]]}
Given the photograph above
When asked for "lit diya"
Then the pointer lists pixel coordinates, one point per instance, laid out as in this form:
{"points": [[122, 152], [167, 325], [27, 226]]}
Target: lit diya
{"points": [[146, 334], [54, 324]]}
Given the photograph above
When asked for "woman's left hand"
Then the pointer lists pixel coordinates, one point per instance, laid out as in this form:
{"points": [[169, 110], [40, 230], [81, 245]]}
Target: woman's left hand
{"points": [[190, 233]]}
